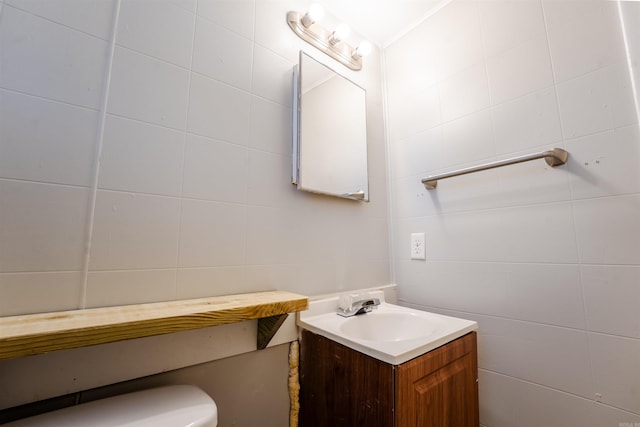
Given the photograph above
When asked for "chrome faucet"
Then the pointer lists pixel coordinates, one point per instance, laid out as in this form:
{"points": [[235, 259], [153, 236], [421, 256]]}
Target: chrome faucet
{"points": [[359, 307]]}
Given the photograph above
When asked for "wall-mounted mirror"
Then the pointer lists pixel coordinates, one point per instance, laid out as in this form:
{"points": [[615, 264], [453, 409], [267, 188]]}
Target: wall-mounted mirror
{"points": [[330, 132]]}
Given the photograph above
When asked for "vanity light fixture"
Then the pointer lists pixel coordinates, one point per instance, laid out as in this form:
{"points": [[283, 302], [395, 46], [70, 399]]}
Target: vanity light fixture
{"points": [[330, 42]]}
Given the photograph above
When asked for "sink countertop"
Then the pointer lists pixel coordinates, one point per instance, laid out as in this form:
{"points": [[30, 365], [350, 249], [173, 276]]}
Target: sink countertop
{"points": [[414, 332]]}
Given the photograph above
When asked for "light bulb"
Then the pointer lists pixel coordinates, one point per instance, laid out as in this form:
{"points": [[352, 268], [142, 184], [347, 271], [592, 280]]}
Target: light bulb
{"points": [[364, 48], [341, 32], [315, 14]]}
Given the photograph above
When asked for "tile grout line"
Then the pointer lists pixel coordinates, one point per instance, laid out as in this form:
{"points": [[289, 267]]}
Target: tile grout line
{"points": [[574, 395], [391, 235], [98, 154], [485, 60], [512, 319], [184, 151], [563, 133], [246, 205]]}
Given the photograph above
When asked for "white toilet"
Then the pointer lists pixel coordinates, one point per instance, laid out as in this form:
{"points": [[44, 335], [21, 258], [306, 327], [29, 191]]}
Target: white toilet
{"points": [[170, 406]]}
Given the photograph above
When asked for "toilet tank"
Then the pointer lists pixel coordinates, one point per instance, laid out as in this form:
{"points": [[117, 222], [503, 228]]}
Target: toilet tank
{"points": [[170, 406]]}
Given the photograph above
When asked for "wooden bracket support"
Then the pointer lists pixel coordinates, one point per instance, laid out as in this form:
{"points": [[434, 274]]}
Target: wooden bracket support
{"points": [[267, 328]]}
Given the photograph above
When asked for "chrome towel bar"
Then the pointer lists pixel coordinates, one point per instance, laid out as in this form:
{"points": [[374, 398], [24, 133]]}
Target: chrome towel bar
{"points": [[553, 157]]}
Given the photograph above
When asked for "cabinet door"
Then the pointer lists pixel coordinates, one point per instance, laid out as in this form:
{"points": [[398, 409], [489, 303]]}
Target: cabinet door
{"points": [[439, 389], [340, 387]]}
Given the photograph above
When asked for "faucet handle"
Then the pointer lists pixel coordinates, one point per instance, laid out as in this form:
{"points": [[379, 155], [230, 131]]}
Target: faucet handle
{"points": [[345, 302]]}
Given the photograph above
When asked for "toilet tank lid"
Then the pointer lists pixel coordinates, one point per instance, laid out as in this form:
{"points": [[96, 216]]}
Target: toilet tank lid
{"points": [[178, 405]]}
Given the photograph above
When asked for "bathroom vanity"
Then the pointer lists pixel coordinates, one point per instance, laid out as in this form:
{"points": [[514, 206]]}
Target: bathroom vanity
{"points": [[343, 387], [393, 366]]}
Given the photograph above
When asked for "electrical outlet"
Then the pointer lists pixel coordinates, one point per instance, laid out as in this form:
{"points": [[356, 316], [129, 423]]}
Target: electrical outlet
{"points": [[417, 246]]}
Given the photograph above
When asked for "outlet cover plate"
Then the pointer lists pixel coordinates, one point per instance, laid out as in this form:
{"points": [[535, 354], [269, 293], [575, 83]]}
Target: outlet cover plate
{"points": [[417, 246]]}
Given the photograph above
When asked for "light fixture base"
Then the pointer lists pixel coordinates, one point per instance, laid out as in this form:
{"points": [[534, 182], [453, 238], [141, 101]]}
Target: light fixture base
{"points": [[319, 38]]}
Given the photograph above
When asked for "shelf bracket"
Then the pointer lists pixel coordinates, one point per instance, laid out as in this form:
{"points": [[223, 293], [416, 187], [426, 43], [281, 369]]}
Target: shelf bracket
{"points": [[267, 328]]}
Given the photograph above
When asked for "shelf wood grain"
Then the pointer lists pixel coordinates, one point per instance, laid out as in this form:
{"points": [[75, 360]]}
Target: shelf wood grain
{"points": [[42, 333]]}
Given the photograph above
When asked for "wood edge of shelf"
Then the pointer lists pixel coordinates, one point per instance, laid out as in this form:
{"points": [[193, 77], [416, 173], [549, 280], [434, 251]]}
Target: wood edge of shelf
{"points": [[28, 343]]}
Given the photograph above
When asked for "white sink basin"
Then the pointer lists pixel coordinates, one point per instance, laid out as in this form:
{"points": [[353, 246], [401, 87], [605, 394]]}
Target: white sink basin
{"points": [[390, 333], [387, 326]]}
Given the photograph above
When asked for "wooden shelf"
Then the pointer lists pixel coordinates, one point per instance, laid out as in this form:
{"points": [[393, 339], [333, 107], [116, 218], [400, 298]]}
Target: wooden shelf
{"points": [[41, 333]]}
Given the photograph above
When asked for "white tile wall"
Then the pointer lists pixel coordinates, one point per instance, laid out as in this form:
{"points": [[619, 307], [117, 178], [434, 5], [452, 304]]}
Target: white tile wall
{"points": [[605, 164], [544, 258], [615, 370], [46, 141], [42, 58], [218, 110], [271, 77], [458, 41], [543, 184], [111, 288], [612, 286], [583, 36], [630, 12], [201, 282], [420, 153], [212, 234], [189, 5], [520, 70], [268, 29], [512, 291], [269, 180], [271, 235], [507, 401], [458, 148], [148, 89], [215, 170], [21, 293], [615, 240], [141, 157], [93, 17], [134, 231], [235, 15], [527, 122], [167, 32], [530, 352], [464, 93], [39, 226], [584, 105], [222, 54], [425, 114], [407, 74], [621, 99], [196, 138], [270, 126], [597, 101], [507, 25], [536, 233]]}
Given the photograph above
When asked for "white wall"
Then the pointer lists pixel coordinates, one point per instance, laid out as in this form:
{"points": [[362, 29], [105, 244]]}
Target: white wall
{"points": [[546, 260], [189, 114], [193, 195]]}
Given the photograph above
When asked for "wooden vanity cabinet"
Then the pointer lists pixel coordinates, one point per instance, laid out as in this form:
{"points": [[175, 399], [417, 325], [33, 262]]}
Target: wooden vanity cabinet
{"points": [[343, 387]]}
